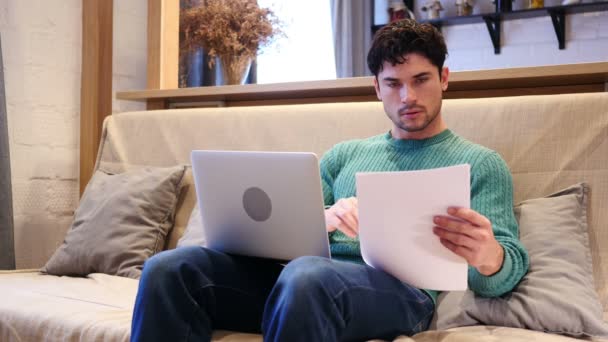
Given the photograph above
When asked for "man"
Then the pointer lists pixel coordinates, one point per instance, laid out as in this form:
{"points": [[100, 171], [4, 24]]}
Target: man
{"points": [[186, 293]]}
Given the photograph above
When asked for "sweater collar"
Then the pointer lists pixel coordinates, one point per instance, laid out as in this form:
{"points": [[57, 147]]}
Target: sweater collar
{"points": [[416, 144]]}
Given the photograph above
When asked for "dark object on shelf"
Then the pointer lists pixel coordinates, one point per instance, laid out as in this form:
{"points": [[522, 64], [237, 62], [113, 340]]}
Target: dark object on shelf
{"points": [[504, 5], [392, 5], [537, 4], [397, 10], [432, 7], [464, 7], [493, 20]]}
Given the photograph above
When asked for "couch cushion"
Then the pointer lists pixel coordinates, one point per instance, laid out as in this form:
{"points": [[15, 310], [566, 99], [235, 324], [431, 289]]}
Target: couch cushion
{"points": [[557, 294], [121, 221], [183, 210], [194, 235], [36, 307], [489, 334]]}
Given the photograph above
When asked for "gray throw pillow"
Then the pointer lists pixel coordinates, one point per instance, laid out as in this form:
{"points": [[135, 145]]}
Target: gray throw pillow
{"points": [[194, 235], [558, 294], [121, 221]]}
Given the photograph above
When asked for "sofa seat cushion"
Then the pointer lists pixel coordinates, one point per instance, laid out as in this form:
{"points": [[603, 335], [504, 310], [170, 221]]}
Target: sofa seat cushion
{"points": [[463, 334], [489, 334], [37, 307]]}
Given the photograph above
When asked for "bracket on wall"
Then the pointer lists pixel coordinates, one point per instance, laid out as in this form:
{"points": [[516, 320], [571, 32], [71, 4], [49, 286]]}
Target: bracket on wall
{"points": [[558, 17], [493, 24]]}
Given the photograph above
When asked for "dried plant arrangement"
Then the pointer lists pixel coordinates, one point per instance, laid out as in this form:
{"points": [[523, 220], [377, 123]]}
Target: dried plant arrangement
{"points": [[235, 28]]}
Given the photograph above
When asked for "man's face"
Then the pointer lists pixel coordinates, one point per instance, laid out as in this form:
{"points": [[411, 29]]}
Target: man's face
{"points": [[411, 93]]}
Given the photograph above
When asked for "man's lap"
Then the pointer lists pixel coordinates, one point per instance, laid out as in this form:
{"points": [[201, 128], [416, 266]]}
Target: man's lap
{"points": [[238, 287]]}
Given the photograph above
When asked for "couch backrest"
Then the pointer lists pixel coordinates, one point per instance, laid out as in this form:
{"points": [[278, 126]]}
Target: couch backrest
{"points": [[549, 142]]}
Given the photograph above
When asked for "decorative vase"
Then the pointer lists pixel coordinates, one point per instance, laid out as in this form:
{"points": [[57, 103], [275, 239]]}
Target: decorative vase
{"points": [[234, 69]]}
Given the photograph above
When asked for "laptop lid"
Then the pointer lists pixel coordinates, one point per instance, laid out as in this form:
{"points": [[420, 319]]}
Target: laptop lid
{"points": [[262, 204]]}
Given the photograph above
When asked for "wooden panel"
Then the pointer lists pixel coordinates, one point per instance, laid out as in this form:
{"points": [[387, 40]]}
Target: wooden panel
{"points": [[337, 87], [163, 44], [309, 100], [156, 104], [271, 102], [96, 80], [568, 89], [500, 82]]}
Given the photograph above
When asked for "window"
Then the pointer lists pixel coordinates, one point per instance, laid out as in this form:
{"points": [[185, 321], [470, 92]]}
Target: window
{"points": [[307, 53]]}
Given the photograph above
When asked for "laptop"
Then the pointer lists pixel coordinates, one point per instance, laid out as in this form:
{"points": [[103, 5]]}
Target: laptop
{"points": [[261, 204]]}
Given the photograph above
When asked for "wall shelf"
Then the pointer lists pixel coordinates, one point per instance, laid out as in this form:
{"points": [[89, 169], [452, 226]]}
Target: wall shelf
{"points": [[493, 20], [551, 79]]}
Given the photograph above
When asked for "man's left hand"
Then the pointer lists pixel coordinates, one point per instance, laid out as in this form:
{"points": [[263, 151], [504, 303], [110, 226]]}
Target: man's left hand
{"points": [[469, 234]]}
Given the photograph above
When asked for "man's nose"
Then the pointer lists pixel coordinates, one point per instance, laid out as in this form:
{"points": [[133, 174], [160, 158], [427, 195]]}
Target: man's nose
{"points": [[408, 95]]}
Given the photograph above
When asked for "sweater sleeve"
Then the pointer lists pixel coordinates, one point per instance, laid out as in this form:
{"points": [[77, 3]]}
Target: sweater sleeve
{"points": [[329, 171], [492, 196]]}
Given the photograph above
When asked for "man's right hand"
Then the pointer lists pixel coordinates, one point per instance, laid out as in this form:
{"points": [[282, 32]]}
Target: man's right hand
{"points": [[343, 216]]}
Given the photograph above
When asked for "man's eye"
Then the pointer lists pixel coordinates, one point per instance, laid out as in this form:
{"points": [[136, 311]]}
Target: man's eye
{"points": [[421, 80], [393, 85]]}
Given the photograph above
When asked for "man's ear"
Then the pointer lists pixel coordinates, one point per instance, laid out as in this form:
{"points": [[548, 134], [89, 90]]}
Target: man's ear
{"points": [[445, 74], [377, 88]]}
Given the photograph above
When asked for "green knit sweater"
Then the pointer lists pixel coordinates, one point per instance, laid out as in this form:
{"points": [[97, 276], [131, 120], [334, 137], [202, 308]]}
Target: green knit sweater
{"points": [[491, 193]]}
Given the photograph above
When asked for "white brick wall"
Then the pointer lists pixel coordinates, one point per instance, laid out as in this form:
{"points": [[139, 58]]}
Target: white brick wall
{"points": [[42, 43]]}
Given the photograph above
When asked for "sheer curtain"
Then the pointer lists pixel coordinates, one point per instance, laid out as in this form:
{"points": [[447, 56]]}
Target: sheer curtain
{"points": [[7, 246], [352, 22]]}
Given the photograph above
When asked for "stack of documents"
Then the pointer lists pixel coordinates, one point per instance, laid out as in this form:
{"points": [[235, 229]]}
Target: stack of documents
{"points": [[396, 211]]}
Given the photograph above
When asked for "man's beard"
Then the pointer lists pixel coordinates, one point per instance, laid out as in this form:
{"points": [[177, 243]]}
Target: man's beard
{"points": [[403, 126]]}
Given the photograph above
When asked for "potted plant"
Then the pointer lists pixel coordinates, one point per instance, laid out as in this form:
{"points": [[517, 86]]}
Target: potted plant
{"points": [[232, 31]]}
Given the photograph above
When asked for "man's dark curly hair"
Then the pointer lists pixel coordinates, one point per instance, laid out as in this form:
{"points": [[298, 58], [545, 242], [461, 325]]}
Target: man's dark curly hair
{"points": [[395, 40]]}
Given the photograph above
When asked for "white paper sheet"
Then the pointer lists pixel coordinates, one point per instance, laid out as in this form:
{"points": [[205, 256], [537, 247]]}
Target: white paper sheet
{"points": [[396, 211]]}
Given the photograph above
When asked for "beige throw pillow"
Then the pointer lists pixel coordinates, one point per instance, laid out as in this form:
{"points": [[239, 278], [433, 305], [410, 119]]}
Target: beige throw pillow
{"points": [[194, 235], [558, 294], [122, 220]]}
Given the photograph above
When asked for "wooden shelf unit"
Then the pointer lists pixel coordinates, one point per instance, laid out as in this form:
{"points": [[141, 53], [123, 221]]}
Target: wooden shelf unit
{"points": [[556, 79]]}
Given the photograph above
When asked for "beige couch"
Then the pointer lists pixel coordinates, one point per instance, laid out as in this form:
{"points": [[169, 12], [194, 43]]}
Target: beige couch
{"points": [[549, 142]]}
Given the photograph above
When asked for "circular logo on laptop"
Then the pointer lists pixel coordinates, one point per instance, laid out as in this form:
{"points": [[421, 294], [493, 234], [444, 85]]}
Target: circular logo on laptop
{"points": [[257, 204]]}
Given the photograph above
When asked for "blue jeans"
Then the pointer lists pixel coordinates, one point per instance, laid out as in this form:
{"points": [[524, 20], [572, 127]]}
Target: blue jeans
{"points": [[186, 293]]}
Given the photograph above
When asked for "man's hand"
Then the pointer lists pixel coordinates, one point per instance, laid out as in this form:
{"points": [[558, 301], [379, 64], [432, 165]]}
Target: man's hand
{"points": [[469, 234], [344, 216]]}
